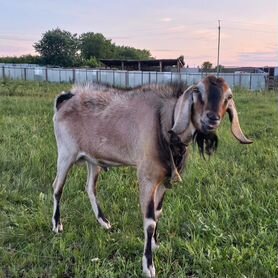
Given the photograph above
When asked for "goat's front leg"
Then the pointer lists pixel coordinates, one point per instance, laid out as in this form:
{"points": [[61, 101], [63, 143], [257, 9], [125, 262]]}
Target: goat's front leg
{"points": [[147, 205], [159, 197], [148, 187], [93, 172]]}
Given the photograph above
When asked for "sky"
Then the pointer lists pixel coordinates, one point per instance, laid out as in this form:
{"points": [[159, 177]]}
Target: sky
{"points": [[248, 36]]}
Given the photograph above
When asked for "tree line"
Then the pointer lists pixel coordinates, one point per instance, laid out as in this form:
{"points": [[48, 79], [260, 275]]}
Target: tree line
{"points": [[62, 48]]}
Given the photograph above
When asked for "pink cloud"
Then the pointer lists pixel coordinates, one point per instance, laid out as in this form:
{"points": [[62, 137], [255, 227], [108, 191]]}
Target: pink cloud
{"points": [[166, 19]]}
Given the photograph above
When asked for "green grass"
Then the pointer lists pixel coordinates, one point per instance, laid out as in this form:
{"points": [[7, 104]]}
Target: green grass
{"points": [[222, 221]]}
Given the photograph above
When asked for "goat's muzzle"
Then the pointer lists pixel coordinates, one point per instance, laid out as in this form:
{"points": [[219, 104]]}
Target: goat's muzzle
{"points": [[210, 122]]}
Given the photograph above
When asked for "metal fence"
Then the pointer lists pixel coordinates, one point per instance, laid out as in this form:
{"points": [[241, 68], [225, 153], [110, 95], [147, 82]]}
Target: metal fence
{"points": [[126, 79]]}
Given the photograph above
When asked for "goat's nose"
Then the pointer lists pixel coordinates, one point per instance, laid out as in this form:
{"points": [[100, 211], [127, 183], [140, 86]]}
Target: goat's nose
{"points": [[213, 116]]}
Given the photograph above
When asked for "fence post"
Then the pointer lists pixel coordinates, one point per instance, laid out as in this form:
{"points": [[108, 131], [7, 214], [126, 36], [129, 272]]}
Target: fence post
{"points": [[46, 74], [3, 72], [113, 78], [233, 80], [25, 73], [126, 79], [149, 77], [73, 75], [250, 81], [86, 75]]}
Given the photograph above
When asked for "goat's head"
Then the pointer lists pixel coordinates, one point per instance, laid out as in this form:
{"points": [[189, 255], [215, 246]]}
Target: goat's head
{"points": [[205, 105]]}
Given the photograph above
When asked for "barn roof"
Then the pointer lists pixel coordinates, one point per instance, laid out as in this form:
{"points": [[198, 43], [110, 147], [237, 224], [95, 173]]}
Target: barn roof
{"points": [[140, 64]]}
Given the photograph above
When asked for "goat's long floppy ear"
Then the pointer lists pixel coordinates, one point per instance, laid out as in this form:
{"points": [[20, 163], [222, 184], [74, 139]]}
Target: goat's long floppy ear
{"points": [[235, 128], [182, 113]]}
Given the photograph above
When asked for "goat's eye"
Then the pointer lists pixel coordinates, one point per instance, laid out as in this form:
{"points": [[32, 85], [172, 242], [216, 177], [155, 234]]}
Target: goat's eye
{"points": [[196, 90], [230, 97]]}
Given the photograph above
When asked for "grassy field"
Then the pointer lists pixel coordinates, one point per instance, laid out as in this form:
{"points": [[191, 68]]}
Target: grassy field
{"points": [[222, 221]]}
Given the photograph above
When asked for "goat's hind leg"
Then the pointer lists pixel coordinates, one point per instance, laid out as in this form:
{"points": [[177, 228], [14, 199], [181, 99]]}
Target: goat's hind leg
{"points": [[63, 166], [93, 172]]}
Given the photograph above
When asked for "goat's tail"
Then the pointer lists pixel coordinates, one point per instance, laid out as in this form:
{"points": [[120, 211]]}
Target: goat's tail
{"points": [[64, 96]]}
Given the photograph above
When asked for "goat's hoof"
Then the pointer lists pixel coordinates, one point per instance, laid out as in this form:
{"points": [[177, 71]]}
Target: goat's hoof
{"points": [[58, 229], [148, 271], [104, 223]]}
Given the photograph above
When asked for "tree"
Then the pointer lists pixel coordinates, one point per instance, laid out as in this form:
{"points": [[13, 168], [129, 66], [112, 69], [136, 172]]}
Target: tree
{"points": [[207, 65], [58, 47], [92, 62], [126, 52], [24, 59], [61, 48], [95, 45], [221, 68]]}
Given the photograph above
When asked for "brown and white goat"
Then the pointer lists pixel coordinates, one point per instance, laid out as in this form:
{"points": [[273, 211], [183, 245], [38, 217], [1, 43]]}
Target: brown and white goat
{"points": [[148, 128]]}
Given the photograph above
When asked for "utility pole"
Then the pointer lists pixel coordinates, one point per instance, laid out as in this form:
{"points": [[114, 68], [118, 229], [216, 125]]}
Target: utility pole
{"points": [[218, 49]]}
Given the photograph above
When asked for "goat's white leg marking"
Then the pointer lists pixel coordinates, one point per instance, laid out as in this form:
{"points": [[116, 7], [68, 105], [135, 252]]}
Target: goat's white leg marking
{"points": [[93, 172], [147, 261], [147, 201], [63, 166]]}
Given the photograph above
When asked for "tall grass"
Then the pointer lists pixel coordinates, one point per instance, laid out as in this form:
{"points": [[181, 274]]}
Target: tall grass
{"points": [[220, 222]]}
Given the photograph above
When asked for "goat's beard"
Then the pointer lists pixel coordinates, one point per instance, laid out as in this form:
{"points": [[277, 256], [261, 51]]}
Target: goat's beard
{"points": [[207, 142]]}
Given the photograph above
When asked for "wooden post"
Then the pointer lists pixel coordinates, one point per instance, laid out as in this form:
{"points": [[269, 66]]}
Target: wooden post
{"points": [[113, 78], [25, 73], [250, 81], [46, 74], [126, 79], [86, 75], [218, 48], [123, 65], [234, 80], [97, 75], [178, 65], [160, 66], [73, 75], [139, 65]]}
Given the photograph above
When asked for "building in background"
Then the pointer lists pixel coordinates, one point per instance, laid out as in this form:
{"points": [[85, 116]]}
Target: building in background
{"points": [[159, 65]]}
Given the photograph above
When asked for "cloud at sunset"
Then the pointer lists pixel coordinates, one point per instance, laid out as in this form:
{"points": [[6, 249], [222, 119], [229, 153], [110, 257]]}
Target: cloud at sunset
{"points": [[166, 19]]}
